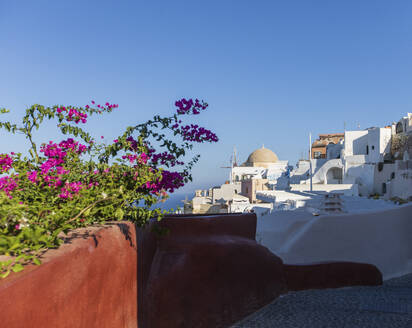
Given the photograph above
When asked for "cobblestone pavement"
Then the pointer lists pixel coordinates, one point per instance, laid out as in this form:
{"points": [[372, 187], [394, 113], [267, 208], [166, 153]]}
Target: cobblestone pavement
{"points": [[389, 305]]}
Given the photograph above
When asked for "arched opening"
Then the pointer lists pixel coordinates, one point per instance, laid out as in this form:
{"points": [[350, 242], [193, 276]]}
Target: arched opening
{"points": [[334, 175], [399, 127]]}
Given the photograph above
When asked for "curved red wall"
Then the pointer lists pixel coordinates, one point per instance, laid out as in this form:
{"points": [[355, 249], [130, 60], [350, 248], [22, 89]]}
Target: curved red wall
{"points": [[88, 282]]}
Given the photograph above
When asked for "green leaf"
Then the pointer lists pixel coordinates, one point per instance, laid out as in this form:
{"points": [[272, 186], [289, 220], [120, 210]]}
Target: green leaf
{"points": [[36, 261], [119, 214], [17, 267], [5, 274]]}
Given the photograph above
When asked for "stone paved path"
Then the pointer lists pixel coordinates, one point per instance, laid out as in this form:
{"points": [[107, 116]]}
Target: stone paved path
{"points": [[386, 306]]}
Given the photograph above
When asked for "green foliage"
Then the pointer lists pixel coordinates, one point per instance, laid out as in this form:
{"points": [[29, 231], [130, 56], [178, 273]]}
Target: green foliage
{"points": [[68, 185]]}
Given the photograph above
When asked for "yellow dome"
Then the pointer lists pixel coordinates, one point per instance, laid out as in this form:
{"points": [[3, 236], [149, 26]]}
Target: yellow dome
{"points": [[261, 155]]}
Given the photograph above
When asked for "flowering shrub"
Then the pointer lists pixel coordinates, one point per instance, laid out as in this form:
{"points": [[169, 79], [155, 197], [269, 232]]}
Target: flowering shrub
{"points": [[78, 181]]}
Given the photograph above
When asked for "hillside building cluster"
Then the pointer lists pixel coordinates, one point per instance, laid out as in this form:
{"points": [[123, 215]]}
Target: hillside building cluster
{"points": [[372, 162]]}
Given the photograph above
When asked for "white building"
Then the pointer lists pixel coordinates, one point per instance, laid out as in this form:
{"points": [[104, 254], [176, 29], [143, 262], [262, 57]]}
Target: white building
{"points": [[377, 160], [362, 151]]}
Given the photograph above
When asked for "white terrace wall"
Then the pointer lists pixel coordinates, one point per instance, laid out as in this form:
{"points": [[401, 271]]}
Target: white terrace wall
{"points": [[381, 238], [396, 178], [401, 185], [347, 189]]}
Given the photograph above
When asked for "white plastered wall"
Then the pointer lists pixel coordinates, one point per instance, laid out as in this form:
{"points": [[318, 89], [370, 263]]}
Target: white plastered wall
{"points": [[355, 142], [382, 238]]}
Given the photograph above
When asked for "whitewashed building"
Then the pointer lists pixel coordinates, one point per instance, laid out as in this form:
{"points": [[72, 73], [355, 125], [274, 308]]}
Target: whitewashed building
{"points": [[377, 160]]}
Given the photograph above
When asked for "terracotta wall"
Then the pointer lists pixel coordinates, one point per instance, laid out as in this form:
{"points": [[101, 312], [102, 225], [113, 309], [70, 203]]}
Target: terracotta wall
{"points": [[88, 282]]}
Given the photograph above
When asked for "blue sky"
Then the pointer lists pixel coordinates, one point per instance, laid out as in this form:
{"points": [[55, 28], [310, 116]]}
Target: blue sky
{"points": [[272, 71]]}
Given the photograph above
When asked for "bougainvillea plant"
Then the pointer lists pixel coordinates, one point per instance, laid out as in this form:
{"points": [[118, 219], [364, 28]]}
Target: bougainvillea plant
{"points": [[79, 181]]}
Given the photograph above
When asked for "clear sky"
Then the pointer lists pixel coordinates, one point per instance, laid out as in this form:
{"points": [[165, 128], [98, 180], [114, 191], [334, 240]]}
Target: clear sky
{"points": [[272, 71]]}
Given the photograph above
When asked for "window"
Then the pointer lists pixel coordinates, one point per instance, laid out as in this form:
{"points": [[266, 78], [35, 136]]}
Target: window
{"points": [[383, 188], [367, 150], [393, 175], [317, 154], [373, 147]]}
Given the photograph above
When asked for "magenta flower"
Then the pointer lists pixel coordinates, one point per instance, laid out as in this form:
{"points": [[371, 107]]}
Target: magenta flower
{"points": [[32, 176], [8, 185], [6, 162]]}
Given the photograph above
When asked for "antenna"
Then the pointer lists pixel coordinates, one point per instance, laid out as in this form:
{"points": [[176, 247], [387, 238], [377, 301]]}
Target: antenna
{"points": [[233, 163], [310, 160], [234, 156]]}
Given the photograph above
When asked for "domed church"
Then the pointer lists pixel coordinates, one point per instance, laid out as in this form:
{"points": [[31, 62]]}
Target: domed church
{"points": [[261, 157], [261, 171]]}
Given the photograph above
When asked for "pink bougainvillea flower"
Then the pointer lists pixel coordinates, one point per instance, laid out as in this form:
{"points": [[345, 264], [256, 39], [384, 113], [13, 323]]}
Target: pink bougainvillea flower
{"points": [[8, 184], [32, 176], [6, 162]]}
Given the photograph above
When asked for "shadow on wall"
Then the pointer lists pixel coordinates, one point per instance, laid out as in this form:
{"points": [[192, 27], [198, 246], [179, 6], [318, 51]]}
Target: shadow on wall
{"points": [[360, 145], [380, 238], [334, 175], [204, 265]]}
